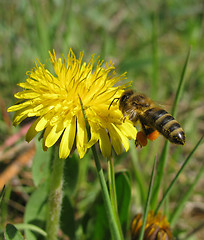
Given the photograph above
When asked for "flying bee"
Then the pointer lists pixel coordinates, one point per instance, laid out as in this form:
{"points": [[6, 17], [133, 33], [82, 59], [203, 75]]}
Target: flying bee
{"points": [[139, 107]]}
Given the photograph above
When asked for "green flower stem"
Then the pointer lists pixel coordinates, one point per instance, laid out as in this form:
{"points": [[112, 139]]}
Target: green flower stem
{"points": [[147, 205], [55, 197], [139, 176], [160, 174], [111, 181], [115, 232], [113, 196]]}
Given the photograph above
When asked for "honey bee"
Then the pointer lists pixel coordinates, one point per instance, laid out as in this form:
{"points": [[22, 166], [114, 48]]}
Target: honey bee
{"points": [[141, 108]]}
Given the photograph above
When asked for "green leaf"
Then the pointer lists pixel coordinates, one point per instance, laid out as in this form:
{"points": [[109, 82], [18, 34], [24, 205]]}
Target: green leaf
{"points": [[36, 210], [123, 191], [71, 173], [67, 218], [12, 233], [95, 222], [41, 165], [24, 226]]}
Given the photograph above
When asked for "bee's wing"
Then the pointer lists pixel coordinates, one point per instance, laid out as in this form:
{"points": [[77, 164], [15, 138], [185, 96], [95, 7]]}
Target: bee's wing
{"points": [[167, 106]]}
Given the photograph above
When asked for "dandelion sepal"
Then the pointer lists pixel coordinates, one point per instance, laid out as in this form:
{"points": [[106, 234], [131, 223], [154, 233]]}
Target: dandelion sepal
{"points": [[156, 228]]}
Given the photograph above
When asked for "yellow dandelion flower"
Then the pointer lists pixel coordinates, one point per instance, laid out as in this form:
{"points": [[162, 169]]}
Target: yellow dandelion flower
{"points": [[54, 101], [157, 227]]}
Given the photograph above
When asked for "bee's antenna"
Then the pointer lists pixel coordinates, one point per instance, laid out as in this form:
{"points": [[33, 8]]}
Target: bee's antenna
{"points": [[113, 102]]}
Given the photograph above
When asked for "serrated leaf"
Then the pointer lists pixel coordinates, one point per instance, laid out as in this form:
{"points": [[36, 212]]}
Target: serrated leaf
{"points": [[67, 221], [12, 233], [71, 173], [95, 222], [36, 210]]}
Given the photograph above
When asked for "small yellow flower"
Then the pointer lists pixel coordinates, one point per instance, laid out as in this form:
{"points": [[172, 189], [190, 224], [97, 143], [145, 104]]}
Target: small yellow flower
{"points": [[54, 100], [157, 227]]}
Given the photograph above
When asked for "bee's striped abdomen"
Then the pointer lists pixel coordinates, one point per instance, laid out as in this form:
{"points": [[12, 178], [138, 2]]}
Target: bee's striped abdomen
{"points": [[162, 121]]}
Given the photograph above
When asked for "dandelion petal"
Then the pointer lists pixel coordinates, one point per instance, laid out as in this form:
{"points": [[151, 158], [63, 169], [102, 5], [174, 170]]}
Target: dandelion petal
{"points": [[81, 140], [52, 136], [41, 124], [68, 139], [104, 143], [31, 133], [115, 139]]}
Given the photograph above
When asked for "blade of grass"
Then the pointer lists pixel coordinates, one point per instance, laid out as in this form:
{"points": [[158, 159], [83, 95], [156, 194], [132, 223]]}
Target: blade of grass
{"points": [[2, 194], [4, 205], [176, 213], [154, 56], [137, 172], [113, 226], [177, 175], [32, 227], [180, 86], [160, 173], [147, 205], [164, 155], [111, 180], [112, 190], [42, 30]]}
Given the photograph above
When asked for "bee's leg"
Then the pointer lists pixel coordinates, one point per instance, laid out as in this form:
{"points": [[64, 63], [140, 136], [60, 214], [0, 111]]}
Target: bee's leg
{"points": [[147, 130], [141, 139], [124, 117], [142, 135], [133, 116], [150, 132]]}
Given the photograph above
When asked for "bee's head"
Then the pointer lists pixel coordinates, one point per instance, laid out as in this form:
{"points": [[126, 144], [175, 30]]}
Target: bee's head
{"points": [[124, 98]]}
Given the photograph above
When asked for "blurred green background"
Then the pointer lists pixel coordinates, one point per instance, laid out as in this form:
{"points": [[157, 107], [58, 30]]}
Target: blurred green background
{"points": [[147, 39]]}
